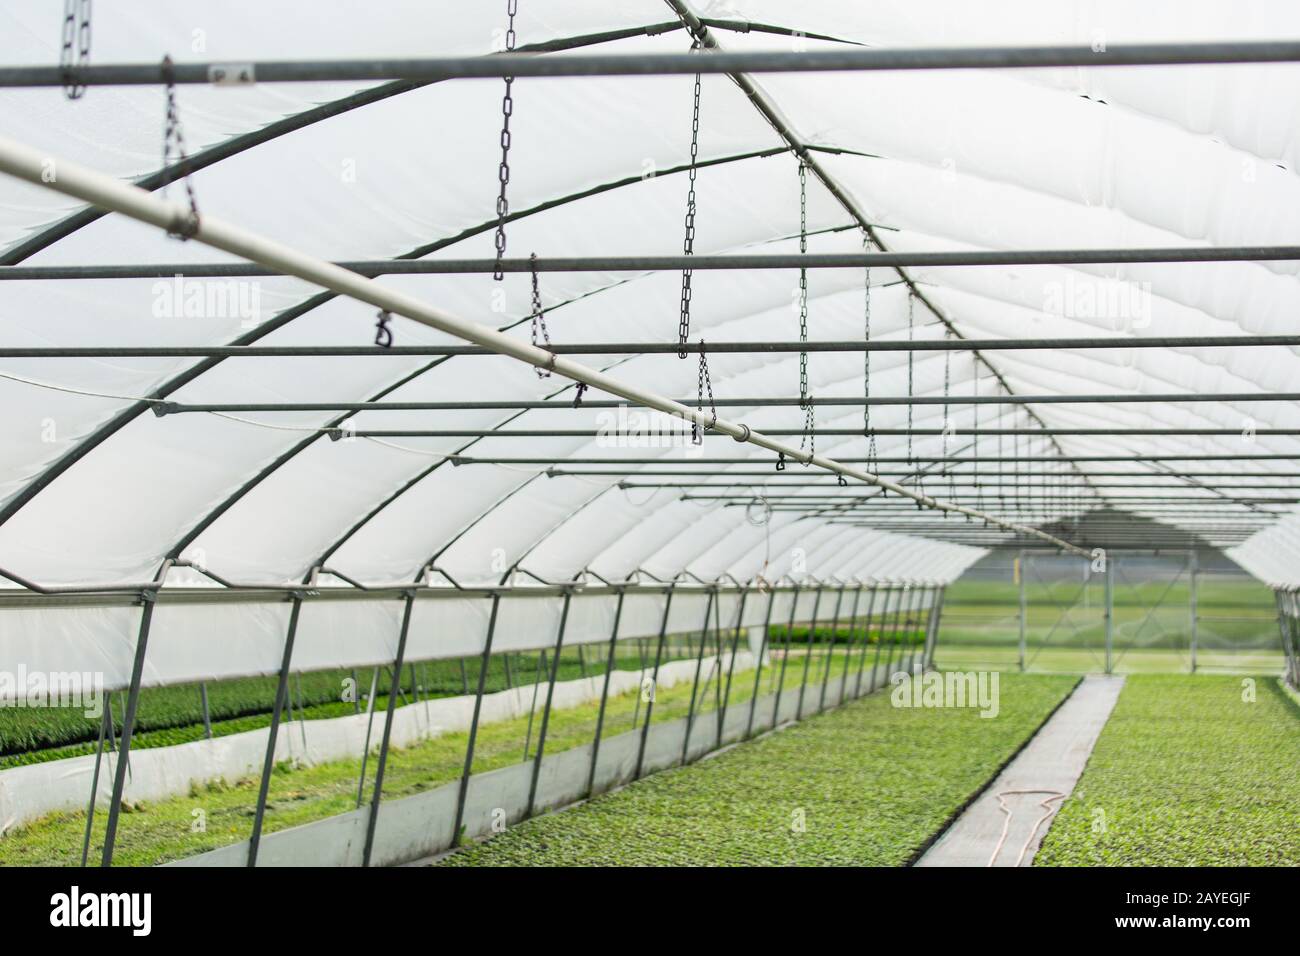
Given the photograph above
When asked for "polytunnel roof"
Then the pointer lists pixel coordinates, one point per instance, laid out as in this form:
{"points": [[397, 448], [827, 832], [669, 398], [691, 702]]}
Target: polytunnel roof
{"points": [[97, 489]]}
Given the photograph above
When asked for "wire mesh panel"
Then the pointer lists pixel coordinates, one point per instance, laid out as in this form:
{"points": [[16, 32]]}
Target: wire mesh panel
{"points": [[981, 616], [1123, 612], [1236, 624]]}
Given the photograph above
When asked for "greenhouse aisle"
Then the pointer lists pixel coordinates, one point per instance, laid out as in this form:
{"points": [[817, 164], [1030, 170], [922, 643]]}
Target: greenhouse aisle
{"points": [[1006, 825]]}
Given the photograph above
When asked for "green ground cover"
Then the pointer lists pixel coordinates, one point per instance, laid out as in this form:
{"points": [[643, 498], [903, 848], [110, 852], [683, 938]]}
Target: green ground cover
{"points": [[869, 782], [778, 634], [1187, 773], [1080, 660]]}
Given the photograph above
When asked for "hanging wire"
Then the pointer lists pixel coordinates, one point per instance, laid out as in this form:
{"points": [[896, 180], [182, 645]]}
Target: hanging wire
{"points": [[766, 524], [503, 171], [704, 384], [173, 135], [76, 44], [688, 242], [947, 420], [539, 322]]}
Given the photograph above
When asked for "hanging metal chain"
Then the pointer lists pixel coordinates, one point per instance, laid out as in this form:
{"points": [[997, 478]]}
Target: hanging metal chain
{"points": [[503, 172], [688, 242], [947, 384], [911, 362], [918, 473], [1002, 409], [809, 436], [975, 430], [803, 282], [539, 322], [947, 419], [705, 384], [76, 44], [1015, 467], [186, 227], [872, 464]]}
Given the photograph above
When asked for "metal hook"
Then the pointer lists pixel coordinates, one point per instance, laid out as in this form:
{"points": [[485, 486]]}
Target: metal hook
{"points": [[383, 334]]}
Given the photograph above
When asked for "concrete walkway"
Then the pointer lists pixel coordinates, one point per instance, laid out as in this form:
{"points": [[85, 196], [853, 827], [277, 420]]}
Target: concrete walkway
{"points": [[1048, 767]]}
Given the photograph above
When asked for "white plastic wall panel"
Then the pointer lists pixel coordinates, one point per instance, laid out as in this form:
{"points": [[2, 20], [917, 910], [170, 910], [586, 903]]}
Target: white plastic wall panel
{"points": [[193, 642], [95, 640], [347, 633]]}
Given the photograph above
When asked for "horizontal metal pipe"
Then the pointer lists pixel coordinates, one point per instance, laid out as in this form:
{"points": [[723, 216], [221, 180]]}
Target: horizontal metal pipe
{"points": [[888, 525], [858, 401], [890, 522], [787, 432], [1034, 506], [1182, 520], [1031, 510], [1171, 522], [1059, 510], [1027, 476], [664, 348], [702, 263], [996, 488], [1171, 519], [518, 65], [1099, 536], [32, 165], [1106, 534], [966, 496], [1043, 506], [883, 459]]}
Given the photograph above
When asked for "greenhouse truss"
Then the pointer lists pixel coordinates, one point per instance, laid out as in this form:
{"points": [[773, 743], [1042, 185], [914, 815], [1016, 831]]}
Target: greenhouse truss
{"points": [[403, 332]]}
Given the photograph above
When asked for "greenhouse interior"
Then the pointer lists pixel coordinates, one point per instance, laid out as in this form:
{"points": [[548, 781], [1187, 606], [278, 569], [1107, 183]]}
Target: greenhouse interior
{"points": [[771, 434]]}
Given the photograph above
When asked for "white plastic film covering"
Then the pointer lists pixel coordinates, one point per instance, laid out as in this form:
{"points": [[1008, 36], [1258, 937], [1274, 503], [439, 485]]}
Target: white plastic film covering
{"points": [[96, 490]]}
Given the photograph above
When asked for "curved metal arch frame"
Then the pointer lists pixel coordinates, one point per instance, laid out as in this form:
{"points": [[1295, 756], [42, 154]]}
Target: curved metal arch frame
{"points": [[224, 151], [421, 475], [288, 455], [282, 319], [284, 458]]}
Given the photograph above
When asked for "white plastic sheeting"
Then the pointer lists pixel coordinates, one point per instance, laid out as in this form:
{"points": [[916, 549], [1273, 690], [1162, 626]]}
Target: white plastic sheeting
{"points": [[1273, 555], [95, 489], [190, 642]]}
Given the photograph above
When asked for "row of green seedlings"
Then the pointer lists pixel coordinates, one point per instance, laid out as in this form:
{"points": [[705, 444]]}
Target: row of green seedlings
{"points": [[183, 713]]}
